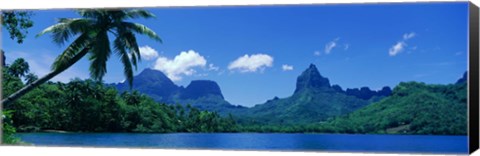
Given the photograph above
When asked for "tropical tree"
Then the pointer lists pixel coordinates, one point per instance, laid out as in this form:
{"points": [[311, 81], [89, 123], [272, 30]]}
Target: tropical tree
{"points": [[91, 34], [17, 24], [19, 68], [30, 78]]}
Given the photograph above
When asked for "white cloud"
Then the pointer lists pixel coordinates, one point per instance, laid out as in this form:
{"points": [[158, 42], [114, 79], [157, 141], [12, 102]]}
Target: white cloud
{"points": [[401, 45], [213, 67], [148, 53], [182, 64], [408, 36], [286, 67], [397, 48], [251, 63], [330, 45], [346, 46], [317, 53]]}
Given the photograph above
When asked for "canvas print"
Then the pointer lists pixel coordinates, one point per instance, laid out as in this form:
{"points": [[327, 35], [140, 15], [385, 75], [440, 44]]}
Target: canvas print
{"points": [[388, 78]]}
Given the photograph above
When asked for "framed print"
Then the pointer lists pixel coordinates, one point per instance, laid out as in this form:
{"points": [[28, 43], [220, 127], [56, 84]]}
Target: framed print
{"points": [[355, 77]]}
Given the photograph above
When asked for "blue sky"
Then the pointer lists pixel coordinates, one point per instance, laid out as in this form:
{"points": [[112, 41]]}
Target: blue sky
{"points": [[256, 52]]}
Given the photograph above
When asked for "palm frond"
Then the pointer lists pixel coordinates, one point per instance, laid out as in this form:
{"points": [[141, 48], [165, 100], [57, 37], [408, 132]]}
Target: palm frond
{"points": [[91, 13], [64, 59], [120, 49], [136, 13], [133, 47], [142, 29], [66, 28], [100, 52]]}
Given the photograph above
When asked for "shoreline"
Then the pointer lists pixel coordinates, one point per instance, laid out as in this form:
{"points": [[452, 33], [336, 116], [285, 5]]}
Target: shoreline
{"points": [[55, 131]]}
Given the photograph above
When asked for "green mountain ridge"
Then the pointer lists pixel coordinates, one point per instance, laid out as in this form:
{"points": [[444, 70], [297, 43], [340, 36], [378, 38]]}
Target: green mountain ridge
{"points": [[413, 108], [314, 100], [314, 107], [306, 106]]}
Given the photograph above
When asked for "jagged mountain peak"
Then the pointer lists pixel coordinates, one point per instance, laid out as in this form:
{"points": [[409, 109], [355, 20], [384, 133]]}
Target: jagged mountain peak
{"points": [[152, 74], [311, 78], [463, 79], [201, 88]]}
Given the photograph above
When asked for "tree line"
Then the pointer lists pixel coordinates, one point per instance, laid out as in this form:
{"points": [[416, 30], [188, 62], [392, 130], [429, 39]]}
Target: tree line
{"points": [[91, 106]]}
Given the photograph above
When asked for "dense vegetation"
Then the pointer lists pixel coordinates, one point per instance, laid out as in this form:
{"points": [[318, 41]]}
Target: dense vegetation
{"points": [[16, 23], [314, 100], [303, 107], [90, 106], [413, 108], [8, 131]]}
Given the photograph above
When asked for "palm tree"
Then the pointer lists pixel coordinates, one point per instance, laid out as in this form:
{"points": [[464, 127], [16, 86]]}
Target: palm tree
{"points": [[92, 37], [19, 68], [30, 78]]}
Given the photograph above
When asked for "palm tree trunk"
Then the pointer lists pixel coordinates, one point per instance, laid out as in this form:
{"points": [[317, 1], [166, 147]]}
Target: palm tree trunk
{"points": [[44, 79]]}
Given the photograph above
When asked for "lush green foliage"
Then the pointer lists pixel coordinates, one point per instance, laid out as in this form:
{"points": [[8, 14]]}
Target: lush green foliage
{"points": [[90, 106], [413, 108], [304, 107], [8, 130], [92, 33], [17, 24]]}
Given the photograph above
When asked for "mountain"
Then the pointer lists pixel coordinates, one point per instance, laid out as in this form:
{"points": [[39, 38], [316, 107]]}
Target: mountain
{"points": [[311, 79], [463, 79], [154, 84], [366, 93], [203, 94], [413, 108], [201, 88], [314, 100]]}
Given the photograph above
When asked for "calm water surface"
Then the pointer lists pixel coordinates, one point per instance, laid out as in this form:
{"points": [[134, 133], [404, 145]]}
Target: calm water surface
{"points": [[258, 141]]}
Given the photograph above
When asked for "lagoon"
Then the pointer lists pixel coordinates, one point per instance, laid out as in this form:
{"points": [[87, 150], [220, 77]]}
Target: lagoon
{"points": [[258, 141]]}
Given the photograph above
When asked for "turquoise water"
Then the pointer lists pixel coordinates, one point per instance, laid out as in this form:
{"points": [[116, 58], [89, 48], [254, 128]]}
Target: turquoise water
{"points": [[258, 141]]}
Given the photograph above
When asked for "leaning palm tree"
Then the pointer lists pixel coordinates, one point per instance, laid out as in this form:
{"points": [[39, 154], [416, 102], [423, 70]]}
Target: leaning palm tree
{"points": [[91, 33]]}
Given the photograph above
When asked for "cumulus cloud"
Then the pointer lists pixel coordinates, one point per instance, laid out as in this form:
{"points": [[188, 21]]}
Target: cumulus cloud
{"points": [[183, 64], [286, 67], [330, 45], [397, 48], [213, 67], [251, 63], [148, 53], [317, 53], [401, 45], [408, 35]]}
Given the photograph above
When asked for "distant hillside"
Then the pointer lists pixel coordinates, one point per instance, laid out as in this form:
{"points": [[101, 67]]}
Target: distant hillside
{"points": [[202, 94], [154, 84], [314, 100], [200, 88], [463, 79], [205, 95], [413, 108]]}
